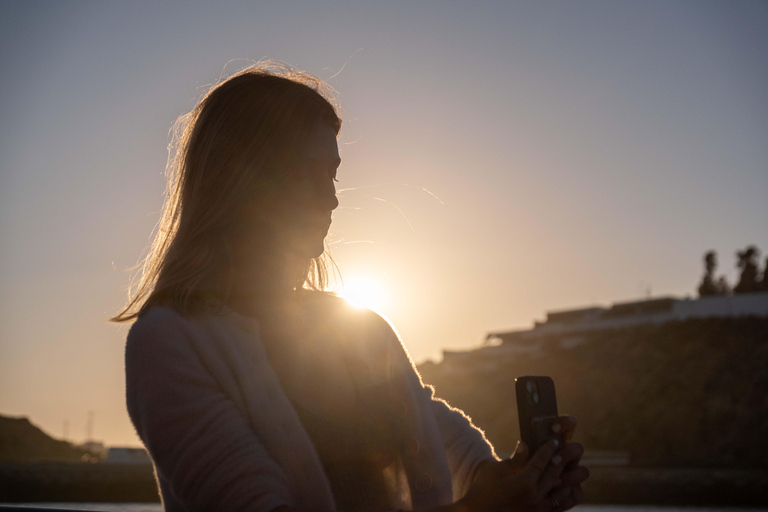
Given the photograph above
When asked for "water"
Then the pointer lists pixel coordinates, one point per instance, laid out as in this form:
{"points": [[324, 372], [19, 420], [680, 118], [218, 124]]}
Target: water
{"points": [[101, 507], [156, 507]]}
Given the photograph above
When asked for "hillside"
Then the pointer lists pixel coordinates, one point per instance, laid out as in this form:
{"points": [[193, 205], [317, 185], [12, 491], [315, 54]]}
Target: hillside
{"points": [[684, 394], [21, 441]]}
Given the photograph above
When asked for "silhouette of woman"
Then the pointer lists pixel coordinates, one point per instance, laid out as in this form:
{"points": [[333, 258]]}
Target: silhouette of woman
{"points": [[254, 389]]}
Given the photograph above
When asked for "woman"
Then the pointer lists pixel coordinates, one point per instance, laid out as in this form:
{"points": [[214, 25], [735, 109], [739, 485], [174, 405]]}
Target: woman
{"points": [[251, 388]]}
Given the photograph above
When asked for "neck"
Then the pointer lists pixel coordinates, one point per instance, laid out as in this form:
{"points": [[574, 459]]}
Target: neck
{"points": [[262, 279]]}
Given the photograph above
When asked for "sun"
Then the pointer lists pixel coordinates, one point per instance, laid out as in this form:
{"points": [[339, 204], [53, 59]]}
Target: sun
{"points": [[364, 291]]}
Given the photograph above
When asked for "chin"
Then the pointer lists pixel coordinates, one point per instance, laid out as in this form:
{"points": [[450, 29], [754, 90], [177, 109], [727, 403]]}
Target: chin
{"points": [[319, 252], [310, 251], [306, 245]]}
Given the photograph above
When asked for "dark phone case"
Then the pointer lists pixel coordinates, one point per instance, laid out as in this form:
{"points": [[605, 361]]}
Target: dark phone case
{"points": [[536, 418]]}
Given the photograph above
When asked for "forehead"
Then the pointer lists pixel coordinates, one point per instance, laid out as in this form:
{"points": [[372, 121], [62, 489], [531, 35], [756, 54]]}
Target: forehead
{"points": [[322, 145]]}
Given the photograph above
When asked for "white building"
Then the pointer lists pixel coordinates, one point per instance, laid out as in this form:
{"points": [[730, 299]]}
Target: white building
{"points": [[569, 326], [652, 311], [125, 455]]}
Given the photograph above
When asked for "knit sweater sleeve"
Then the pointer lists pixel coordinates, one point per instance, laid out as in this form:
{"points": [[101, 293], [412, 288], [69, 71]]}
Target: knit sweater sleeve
{"points": [[203, 448], [465, 444]]}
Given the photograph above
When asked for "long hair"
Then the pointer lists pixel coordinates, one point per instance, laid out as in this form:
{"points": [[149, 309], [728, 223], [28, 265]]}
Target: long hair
{"points": [[234, 146]]}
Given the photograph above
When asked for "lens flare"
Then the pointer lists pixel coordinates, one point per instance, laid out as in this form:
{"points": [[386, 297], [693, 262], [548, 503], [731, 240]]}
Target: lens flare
{"points": [[364, 291]]}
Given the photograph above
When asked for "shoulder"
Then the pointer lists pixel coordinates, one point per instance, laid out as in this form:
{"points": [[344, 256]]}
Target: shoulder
{"points": [[162, 333], [164, 345], [366, 333], [159, 323], [360, 320]]}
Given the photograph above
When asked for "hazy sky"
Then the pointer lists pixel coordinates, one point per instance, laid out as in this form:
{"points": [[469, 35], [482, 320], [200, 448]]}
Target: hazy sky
{"points": [[502, 159]]}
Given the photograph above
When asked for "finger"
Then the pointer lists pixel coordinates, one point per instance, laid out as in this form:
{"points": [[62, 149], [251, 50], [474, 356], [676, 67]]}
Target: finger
{"points": [[573, 477], [540, 460], [519, 458], [550, 479], [571, 454], [567, 425]]}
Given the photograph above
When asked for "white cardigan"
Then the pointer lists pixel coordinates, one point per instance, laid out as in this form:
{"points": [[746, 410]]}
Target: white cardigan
{"points": [[223, 435]]}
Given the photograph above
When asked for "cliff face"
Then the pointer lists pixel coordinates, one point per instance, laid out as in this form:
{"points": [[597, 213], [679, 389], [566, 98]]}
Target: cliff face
{"points": [[692, 393], [21, 441]]}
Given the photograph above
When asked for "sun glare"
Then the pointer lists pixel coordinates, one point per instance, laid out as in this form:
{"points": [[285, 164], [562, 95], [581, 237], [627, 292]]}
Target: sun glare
{"points": [[362, 291]]}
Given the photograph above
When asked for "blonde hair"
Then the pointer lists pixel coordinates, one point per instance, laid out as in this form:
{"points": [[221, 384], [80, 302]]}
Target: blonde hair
{"points": [[234, 146]]}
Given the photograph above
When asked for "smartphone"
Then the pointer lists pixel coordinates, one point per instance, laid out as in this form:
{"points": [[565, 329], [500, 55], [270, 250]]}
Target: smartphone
{"points": [[536, 410]]}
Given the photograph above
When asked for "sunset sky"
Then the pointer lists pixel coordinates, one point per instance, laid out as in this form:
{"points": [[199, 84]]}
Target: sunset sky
{"points": [[500, 159]]}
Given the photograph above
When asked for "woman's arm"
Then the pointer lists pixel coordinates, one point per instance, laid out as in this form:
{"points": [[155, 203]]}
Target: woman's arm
{"points": [[522, 486], [466, 446], [200, 443], [471, 456]]}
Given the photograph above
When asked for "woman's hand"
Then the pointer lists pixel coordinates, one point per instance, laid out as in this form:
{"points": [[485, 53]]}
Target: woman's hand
{"points": [[564, 461], [516, 484]]}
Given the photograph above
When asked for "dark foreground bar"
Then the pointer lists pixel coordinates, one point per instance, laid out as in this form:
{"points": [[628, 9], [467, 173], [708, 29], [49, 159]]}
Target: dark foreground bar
{"points": [[107, 483], [22, 508], [677, 487], [77, 482]]}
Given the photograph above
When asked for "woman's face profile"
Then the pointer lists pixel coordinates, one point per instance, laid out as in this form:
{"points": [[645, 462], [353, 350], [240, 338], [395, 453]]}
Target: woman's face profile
{"points": [[299, 216]]}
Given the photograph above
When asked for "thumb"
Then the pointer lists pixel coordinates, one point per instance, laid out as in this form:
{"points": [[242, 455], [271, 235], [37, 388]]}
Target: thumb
{"points": [[519, 458]]}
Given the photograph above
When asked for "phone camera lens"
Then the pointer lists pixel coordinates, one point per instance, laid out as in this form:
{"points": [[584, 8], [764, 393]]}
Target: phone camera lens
{"points": [[536, 398], [529, 386]]}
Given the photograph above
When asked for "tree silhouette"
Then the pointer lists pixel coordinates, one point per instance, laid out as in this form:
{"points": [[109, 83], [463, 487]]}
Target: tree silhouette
{"points": [[747, 262], [709, 286], [723, 286], [764, 282]]}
